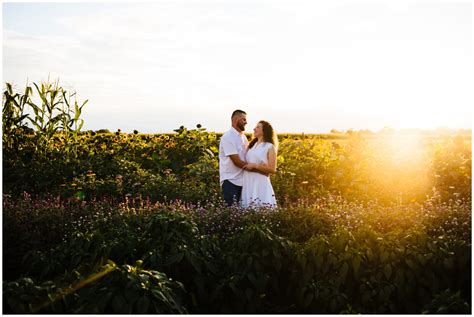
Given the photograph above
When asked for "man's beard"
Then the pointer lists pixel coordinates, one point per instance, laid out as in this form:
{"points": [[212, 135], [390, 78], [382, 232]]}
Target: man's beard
{"points": [[241, 127]]}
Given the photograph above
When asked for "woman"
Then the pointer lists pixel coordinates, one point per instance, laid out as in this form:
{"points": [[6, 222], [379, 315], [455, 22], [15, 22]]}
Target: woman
{"points": [[261, 157]]}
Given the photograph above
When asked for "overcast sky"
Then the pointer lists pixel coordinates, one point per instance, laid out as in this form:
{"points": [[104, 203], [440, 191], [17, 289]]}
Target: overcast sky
{"points": [[305, 66]]}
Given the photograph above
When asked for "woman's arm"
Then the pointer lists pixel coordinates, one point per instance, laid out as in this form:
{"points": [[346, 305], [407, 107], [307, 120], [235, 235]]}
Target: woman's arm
{"points": [[269, 168]]}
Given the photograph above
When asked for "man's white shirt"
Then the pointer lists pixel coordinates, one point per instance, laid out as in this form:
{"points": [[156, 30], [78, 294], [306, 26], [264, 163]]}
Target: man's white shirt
{"points": [[232, 142]]}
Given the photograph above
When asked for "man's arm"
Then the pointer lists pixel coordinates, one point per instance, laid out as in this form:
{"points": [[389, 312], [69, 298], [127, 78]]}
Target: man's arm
{"points": [[237, 161]]}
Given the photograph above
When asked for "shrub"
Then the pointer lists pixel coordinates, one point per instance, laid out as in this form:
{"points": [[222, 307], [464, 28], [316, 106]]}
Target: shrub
{"points": [[122, 289]]}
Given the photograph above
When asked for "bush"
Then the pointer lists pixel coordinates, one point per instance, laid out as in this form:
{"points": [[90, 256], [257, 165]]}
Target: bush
{"points": [[114, 290], [332, 256]]}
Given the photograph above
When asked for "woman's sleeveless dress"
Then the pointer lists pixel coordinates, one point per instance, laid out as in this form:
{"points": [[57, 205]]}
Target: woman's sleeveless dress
{"points": [[257, 191]]}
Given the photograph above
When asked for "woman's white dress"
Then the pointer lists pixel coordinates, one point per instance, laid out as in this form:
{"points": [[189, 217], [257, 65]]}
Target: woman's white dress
{"points": [[257, 190]]}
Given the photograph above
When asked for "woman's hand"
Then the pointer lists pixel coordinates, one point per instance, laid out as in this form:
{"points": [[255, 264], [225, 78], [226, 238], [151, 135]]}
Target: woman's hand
{"points": [[250, 166], [256, 167]]}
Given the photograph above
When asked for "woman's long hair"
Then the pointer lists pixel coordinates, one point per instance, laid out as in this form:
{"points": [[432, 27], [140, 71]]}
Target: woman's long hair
{"points": [[269, 135]]}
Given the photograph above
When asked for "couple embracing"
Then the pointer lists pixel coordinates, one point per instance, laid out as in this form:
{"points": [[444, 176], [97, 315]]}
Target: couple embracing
{"points": [[244, 167]]}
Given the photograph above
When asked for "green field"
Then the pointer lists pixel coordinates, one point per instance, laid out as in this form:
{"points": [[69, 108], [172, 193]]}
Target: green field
{"points": [[113, 222]]}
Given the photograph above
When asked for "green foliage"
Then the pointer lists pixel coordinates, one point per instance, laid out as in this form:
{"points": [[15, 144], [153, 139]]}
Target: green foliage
{"points": [[24, 295], [391, 168], [33, 159], [259, 267], [56, 158], [132, 290], [124, 289], [452, 167], [447, 302], [366, 223], [114, 164], [328, 257], [13, 117], [302, 169]]}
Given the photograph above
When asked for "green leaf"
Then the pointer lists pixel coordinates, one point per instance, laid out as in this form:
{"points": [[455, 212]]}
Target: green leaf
{"points": [[252, 279], [332, 259], [210, 152], [410, 264], [448, 263], [278, 264], [308, 298], [356, 265], [343, 272], [249, 261], [384, 256], [143, 305], [158, 294], [387, 270], [366, 297], [249, 294], [119, 304], [234, 289]]}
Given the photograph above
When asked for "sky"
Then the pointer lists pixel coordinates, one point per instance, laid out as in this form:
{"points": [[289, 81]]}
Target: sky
{"points": [[304, 66]]}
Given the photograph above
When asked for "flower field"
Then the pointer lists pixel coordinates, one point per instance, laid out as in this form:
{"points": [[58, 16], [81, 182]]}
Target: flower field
{"points": [[113, 222]]}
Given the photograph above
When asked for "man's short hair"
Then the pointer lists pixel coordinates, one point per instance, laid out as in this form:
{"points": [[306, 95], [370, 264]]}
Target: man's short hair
{"points": [[238, 112]]}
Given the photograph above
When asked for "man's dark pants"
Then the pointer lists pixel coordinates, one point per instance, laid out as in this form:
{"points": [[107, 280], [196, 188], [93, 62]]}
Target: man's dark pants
{"points": [[231, 192]]}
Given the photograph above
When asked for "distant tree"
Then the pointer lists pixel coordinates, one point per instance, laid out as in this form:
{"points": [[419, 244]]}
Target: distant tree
{"points": [[387, 130]]}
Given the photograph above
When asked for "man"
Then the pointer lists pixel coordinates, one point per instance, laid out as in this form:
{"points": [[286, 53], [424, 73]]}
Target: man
{"points": [[232, 148]]}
